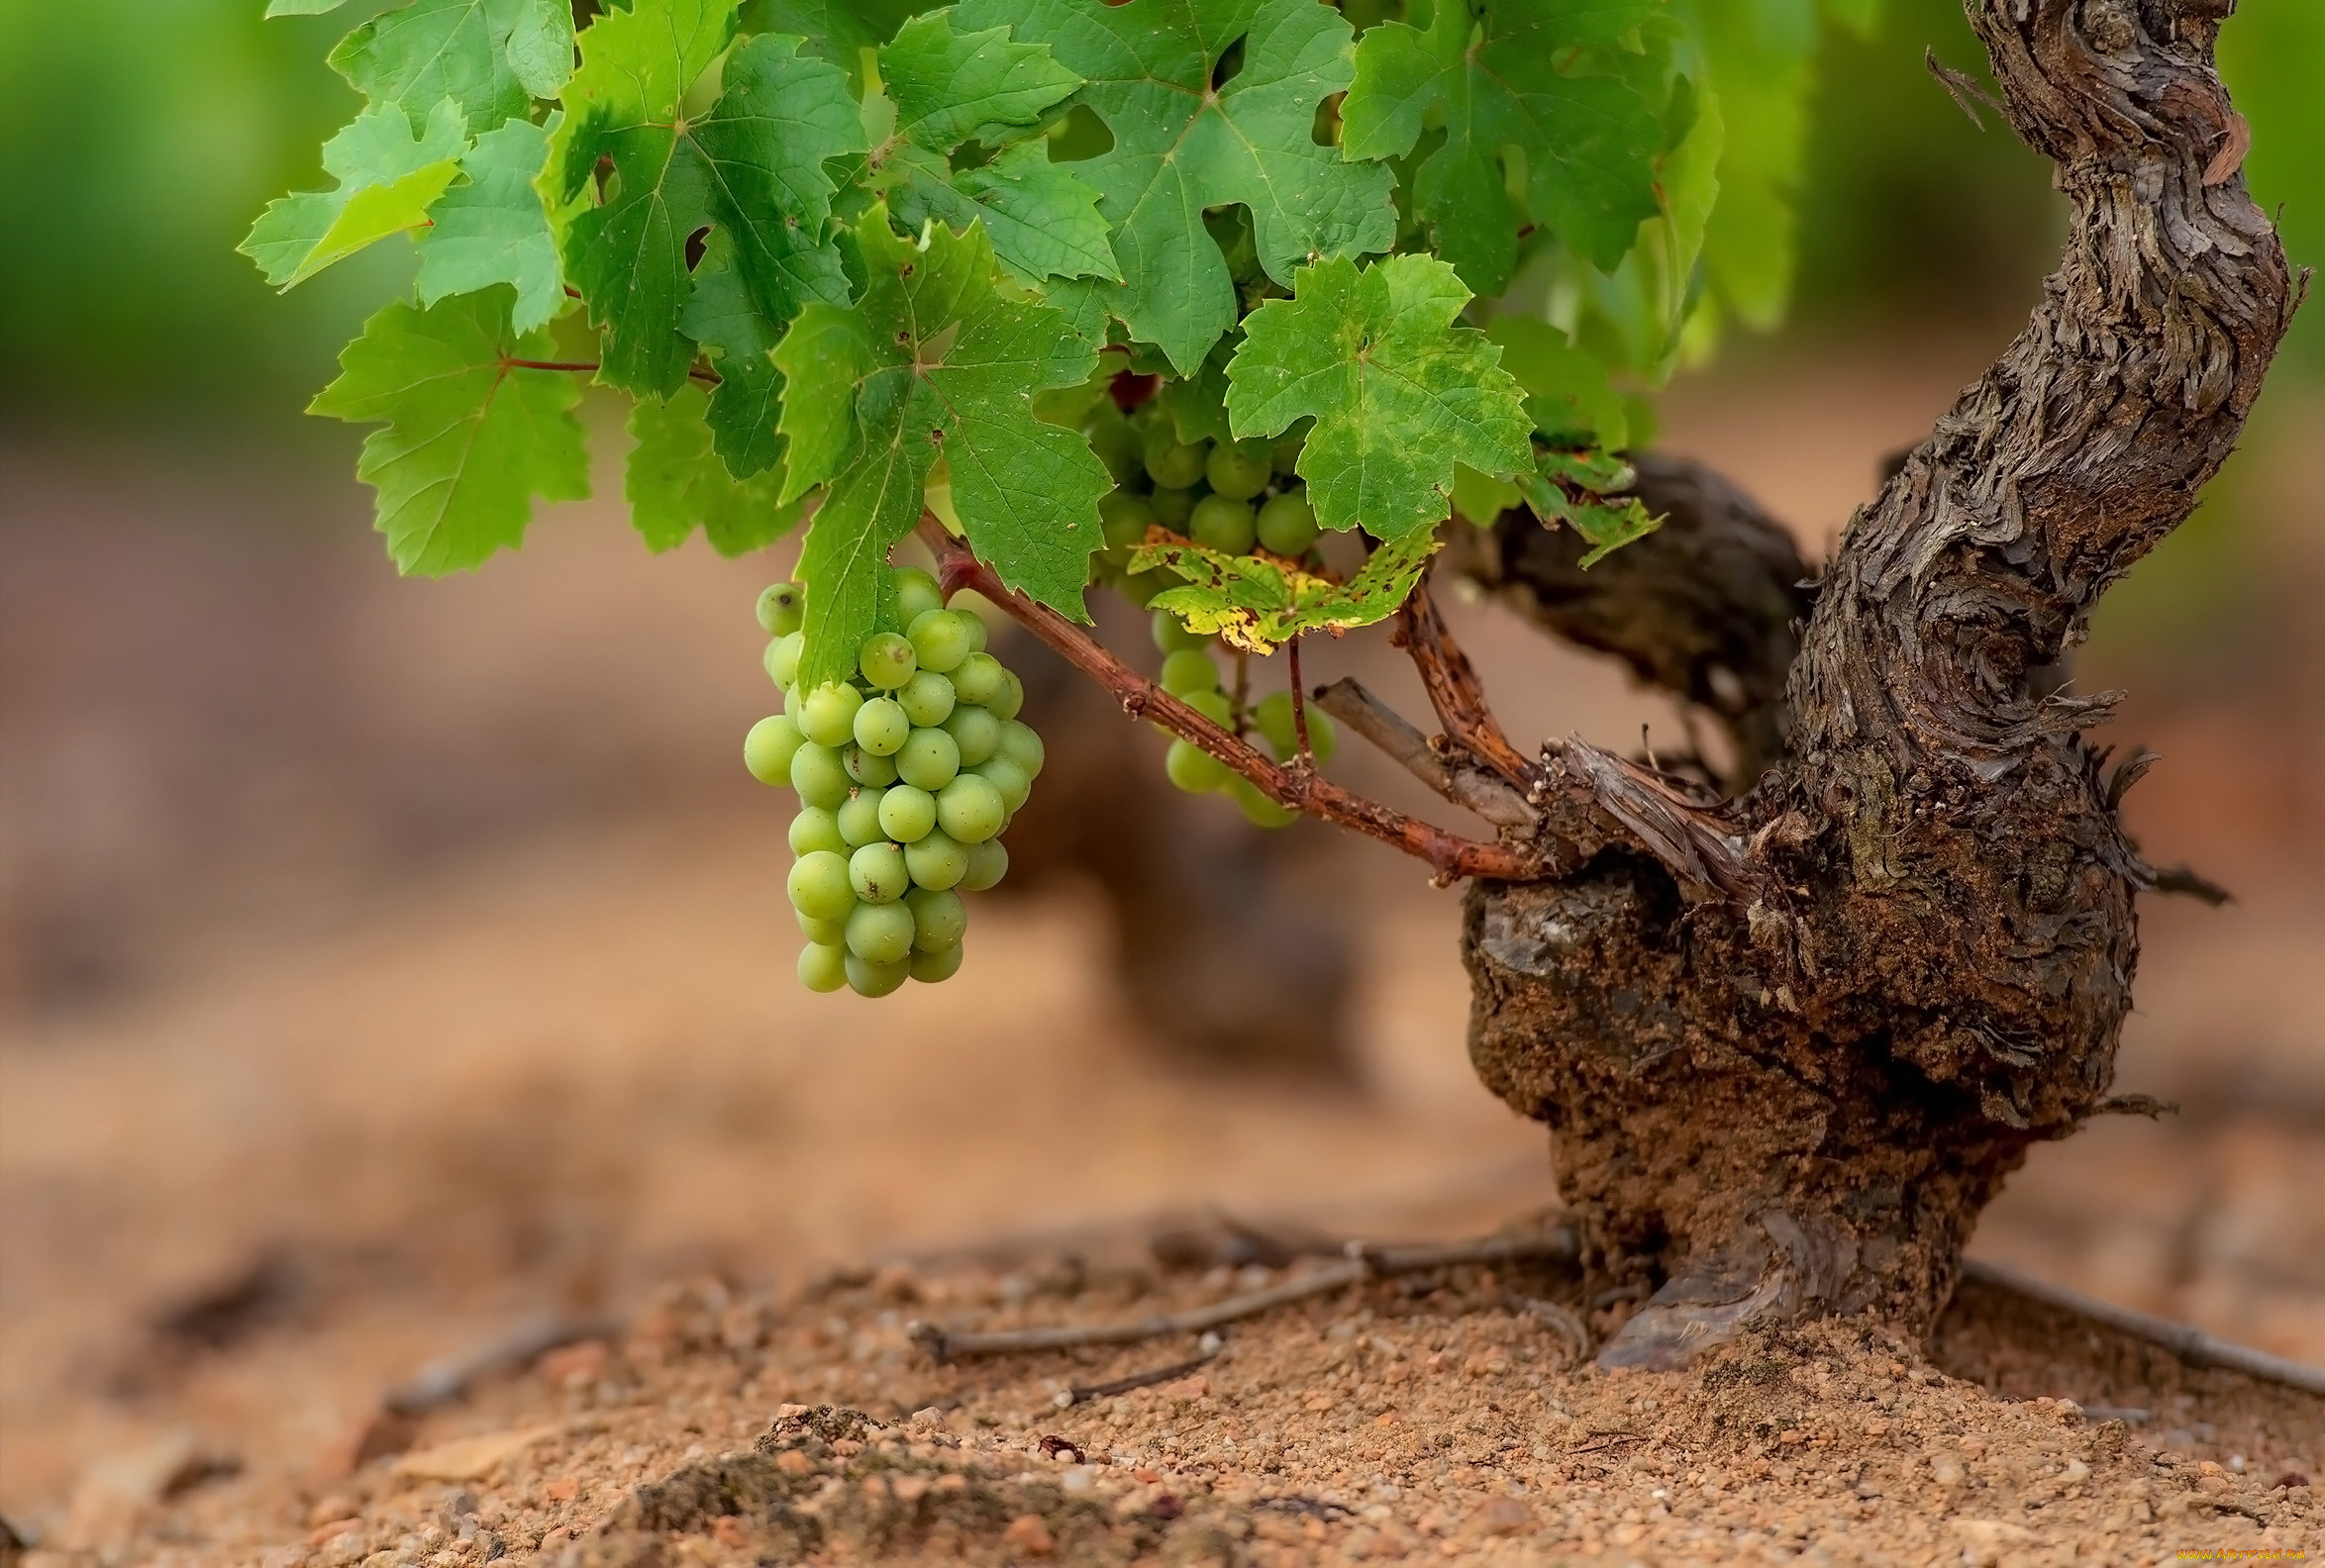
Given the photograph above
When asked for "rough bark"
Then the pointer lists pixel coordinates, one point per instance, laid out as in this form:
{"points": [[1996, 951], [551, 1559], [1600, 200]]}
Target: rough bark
{"points": [[1789, 1060]]}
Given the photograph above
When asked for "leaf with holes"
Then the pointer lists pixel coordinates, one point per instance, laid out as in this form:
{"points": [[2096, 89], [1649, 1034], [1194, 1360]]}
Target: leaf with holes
{"points": [[935, 362], [1258, 602], [470, 438]]}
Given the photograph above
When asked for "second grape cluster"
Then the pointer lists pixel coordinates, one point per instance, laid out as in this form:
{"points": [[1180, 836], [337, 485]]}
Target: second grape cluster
{"points": [[907, 774]]}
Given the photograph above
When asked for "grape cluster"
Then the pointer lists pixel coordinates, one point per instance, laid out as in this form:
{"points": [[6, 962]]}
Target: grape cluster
{"points": [[1227, 496], [907, 774], [1190, 674]]}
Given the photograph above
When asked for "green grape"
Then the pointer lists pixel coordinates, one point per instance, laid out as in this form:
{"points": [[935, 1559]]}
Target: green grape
{"points": [[782, 658], [1222, 524], [988, 863], [907, 814], [818, 885], [876, 872], [1140, 587], [1123, 516], [873, 772], [1214, 705], [827, 932], [1006, 705], [882, 727], [816, 774], [816, 828], [869, 979], [929, 759], [823, 966], [926, 699], [1263, 812], [979, 680], [1273, 717], [1191, 768], [1170, 633], [1284, 456], [938, 966], [859, 820], [828, 716], [794, 702], [978, 633], [917, 594], [969, 808], [1022, 746], [937, 860], [1189, 670], [1171, 508], [975, 732], [1008, 778], [768, 749], [1287, 524], [882, 933], [1173, 464], [1116, 443], [941, 640], [1236, 474], [780, 609], [887, 660], [938, 919]]}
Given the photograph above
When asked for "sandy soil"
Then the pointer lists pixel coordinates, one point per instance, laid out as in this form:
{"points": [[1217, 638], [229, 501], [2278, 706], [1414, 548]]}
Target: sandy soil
{"points": [[388, 966]]}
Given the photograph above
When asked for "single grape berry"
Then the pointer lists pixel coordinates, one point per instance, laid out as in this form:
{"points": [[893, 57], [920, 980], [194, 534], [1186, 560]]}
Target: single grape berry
{"points": [[1173, 464], [817, 775], [823, 966], [926, 699], [969, 808], [917, 594], [1172, 635], [768, 749], [1022, 746], [938, 919], [1263, 812], [1273, 715], [1287, 524], [907, 814], [887, 660], [1214, 705], [827, 931], [1222, 524], [1011, 698], [782, 658], [869, 979], [1123, 517], [827, 716], [929, 759], [937, 860], [941, 640], [1236, 472], [975, 732], [816, 828], [876, 873], [933, 969], [1284, 456], [988, 863], [781, 608], [819, 887], [1191, 768], [965, 605], [1171, 508], [873, 772], [882, 727], [858, 820], [979, 680], [1010, 779], [882, 933], [1189, 670]]}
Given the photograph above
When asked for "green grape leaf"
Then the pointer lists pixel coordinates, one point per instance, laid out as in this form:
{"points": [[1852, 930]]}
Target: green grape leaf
{"points": [[1759, 61], [1568, 393], [747, 402], [283, 8], [494, 230], [935, 360], [1197, 404], [387, 177], [470, 435], [1043, 218], [838, 31], [750, 167], [1180, 147], [493, 57], [1500, 76], [1399, 394], [947, 86], [1574, 488], [677, 483], [1258, 602]]}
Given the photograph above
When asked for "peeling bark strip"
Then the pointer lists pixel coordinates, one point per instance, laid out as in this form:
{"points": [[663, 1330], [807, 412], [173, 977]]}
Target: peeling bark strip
{"points": [[1790, 1046]]}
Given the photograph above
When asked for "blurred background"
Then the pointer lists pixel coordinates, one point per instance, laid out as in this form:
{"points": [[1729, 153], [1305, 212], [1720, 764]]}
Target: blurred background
{"points": [[398, 959]]}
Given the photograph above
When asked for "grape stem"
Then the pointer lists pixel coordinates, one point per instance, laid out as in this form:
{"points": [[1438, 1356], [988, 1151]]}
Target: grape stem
{"points": [[1455, 690], [1299, 704], [1448, 856]]}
